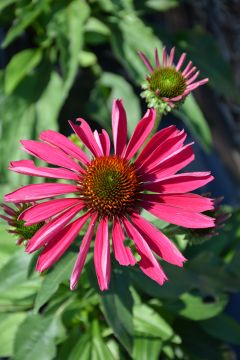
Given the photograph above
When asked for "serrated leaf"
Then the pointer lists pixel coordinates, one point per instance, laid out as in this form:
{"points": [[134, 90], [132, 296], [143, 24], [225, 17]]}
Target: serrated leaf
{"points": [[19, 66]]}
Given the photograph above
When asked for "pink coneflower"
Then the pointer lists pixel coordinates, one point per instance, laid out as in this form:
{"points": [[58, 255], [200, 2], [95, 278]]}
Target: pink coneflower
{"points": [[16, 226], [167, 84], [110, 192]]}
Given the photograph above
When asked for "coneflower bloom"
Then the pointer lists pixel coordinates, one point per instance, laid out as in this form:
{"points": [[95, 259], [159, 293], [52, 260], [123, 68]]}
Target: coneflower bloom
{"points": [[110, 191], [16, 226], [167, 84]]}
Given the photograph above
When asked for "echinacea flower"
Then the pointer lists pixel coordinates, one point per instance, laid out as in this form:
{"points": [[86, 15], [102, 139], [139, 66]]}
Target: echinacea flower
{"points": [[167, 85], [110, 192], [17, 227]]}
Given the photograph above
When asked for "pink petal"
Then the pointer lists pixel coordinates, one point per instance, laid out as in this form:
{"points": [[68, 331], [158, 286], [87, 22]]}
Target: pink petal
{"points": [[46, 210], [85, 134], [180, 183], [156, 58], [119, 127], [61, 141], [97, 138], [190, 202], [171, 57], [8, 210], [156, 139], [47, 232], [175, 162], [191, 80], [28, 167], [102, 259], [50, 154], [197, 84], [164, 56], [39, 191], [85, 244], [140, 134], [190, 72], [165, 149], [178, 216], [157, 241], [148, 264], [122, 253], [180, 61], [105, 142], [54, 250], [187, 68], [146, 61]]}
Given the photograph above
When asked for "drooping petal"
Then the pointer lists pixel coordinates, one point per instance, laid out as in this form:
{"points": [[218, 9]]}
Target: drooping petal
{"points": [[48, 231], [148, 264], [50, 154], [102, 255], [155, 140], [175, 162], [27, 167], [55, 249], [39, 191], [180, 183], [61, 141], [140, 134], [157, 241], [165, 149], [119, 127], [122, 253], [85, 134], [85, 244], [146, 61], [177, 216], [40, 212], [188, 201]]}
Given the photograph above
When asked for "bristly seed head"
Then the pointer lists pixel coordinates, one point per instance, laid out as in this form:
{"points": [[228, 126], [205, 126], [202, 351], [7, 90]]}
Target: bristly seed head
{"points": [[167, 82], [110, 186]]}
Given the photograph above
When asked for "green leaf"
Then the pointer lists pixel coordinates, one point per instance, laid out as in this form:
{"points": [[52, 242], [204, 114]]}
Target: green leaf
{"points": [[162, 5], [117, 307], [28, 14], [149, 323], [61, 272], [19, 66], [8, 327], [223, 328], [146, 348], [193, 307], [5, 3], [7, 245], [193, 117], [35, 339], [130, 34], [14, 271]]}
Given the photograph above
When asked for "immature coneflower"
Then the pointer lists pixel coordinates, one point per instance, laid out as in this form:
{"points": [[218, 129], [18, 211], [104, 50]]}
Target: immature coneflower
{"points": [[17, 226], [110, 189], [167, 85]]}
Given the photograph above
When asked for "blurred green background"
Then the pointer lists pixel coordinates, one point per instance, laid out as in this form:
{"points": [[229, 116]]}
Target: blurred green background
{"points": [[62, 59]]}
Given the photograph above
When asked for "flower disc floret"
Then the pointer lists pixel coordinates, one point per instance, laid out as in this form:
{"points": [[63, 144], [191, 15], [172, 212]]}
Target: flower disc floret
{"points": [[110, 186], [167, 82]]}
